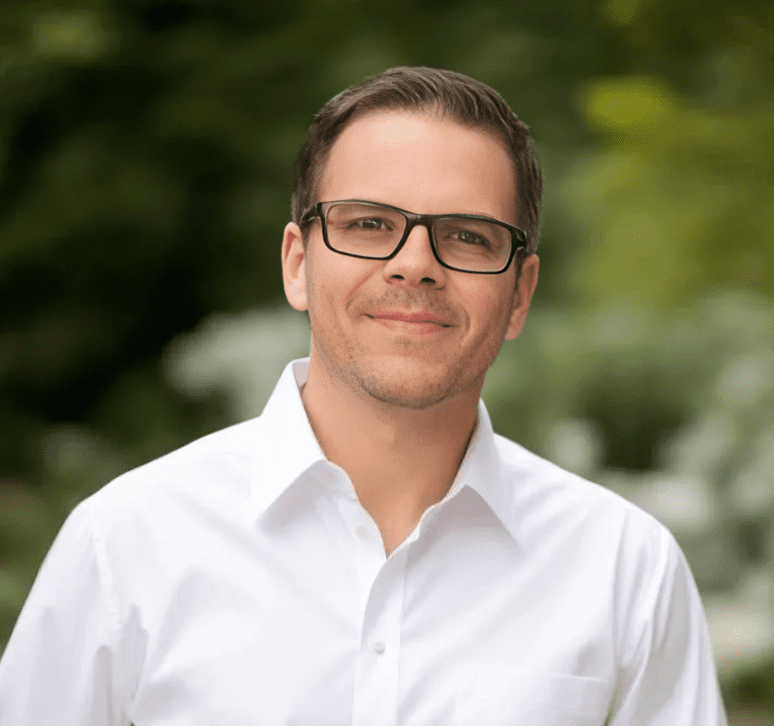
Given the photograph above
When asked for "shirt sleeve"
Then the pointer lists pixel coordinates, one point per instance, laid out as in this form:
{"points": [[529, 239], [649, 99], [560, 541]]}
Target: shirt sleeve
{"points": [[668, 675], [60, 665]]}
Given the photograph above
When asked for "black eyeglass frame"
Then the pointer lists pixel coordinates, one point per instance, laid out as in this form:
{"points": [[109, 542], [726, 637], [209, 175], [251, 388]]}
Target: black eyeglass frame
{"points": [[414, 220]]}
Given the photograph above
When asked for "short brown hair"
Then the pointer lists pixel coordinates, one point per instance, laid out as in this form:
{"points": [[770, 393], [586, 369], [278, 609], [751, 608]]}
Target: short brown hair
{"points": [[407, 88]]}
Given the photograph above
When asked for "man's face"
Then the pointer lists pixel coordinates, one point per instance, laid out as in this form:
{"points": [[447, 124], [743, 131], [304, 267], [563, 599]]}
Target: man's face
{"points": [[457, 320]]}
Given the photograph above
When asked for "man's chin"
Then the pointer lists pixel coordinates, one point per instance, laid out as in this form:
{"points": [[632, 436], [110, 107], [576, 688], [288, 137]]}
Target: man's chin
{"points": [[404, 391]]}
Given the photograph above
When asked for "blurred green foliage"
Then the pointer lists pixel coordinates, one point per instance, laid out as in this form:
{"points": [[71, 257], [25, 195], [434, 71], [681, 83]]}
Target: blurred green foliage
{"points": [[146, 153]]}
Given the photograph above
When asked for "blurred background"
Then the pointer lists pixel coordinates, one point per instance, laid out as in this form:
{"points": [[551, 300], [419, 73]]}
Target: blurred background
{"points": [[146, 151]]}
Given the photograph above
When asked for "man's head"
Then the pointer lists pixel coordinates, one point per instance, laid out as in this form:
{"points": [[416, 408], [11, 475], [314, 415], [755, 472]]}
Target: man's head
{"points": [[450, 95], [421, 325]]}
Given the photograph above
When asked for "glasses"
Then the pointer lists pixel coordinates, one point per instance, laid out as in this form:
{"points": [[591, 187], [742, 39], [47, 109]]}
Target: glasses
{"points": [[462, 242]]}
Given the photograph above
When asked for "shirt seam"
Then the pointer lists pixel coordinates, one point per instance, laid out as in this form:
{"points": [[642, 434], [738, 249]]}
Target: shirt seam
{"points": [[650, 599], [111, 599]]}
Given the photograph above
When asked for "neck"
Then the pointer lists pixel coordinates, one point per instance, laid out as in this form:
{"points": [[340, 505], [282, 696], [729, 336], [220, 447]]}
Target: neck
{"points": [[400, 460]]}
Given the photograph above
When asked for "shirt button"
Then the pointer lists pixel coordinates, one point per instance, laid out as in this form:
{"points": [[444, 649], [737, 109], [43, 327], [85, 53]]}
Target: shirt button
{"points": [[379, 647], [362, 531]]}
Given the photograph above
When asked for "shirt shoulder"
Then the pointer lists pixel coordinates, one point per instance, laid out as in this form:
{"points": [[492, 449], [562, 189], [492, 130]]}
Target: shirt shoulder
{"points": [[546, 497], [210, 468], [613, 545]]}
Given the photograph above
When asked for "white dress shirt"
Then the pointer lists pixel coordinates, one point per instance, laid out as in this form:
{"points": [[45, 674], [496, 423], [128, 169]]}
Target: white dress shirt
{"points": [[239, 582]]}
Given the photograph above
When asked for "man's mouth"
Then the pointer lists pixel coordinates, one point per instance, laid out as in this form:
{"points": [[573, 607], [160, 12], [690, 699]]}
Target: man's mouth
{"points": [[405, 316], [412, 322]]}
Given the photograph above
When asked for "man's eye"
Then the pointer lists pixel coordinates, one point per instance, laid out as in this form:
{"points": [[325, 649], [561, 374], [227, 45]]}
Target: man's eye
{"points": [[471, 238], [371, 223]]}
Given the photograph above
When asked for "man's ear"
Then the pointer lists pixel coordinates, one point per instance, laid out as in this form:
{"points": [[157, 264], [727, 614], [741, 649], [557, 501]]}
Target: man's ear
{"points": [[294, 266], [523, 297]]}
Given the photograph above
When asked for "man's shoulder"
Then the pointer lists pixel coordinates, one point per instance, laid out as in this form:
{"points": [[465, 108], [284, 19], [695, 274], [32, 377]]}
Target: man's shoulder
{"points": [[543, 492], [220, 460]]}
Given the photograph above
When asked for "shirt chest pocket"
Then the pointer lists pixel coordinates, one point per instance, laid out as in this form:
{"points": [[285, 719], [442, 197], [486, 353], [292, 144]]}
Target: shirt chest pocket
{"points": [[498, 695]]}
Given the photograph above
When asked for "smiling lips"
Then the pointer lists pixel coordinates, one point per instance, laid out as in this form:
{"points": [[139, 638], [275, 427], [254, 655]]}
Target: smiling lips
{"points": [[420, 322]]}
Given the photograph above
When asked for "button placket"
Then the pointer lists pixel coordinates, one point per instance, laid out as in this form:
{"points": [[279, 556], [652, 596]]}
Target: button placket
{"points": [[376, 681]]}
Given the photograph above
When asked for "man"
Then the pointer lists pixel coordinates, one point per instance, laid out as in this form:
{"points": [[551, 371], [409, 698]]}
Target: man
{"points": [[367, 551]]}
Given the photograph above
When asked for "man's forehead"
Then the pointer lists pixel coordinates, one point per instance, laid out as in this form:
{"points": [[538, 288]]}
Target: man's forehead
{"points": [[415, 153], [390, 127]]}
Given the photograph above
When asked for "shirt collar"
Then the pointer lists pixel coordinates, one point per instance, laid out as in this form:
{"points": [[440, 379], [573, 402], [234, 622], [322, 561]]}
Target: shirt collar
{"points": [[291, 450], [288, 448], [481, 470]]}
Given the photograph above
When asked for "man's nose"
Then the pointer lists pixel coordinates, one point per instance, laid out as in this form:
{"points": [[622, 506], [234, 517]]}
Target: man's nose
{"points": [[415, 263]]}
